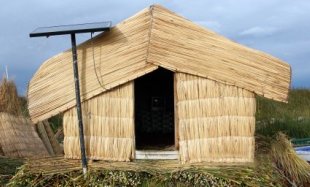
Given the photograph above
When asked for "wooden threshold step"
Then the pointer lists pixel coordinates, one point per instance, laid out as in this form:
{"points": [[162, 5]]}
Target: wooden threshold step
{"points": [[157, 155]]}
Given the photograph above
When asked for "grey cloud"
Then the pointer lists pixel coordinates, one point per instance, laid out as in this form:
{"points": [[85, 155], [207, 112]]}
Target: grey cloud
{"points": [[259, 31], [213, 25]]}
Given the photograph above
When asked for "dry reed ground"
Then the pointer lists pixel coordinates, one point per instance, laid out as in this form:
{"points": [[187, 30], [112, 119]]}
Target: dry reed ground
{"points": [[275, 164], [67, 172], [289, 164]]}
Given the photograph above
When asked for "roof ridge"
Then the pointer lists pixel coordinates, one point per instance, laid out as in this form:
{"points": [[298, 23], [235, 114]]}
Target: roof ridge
{"points": [[150, 32]]}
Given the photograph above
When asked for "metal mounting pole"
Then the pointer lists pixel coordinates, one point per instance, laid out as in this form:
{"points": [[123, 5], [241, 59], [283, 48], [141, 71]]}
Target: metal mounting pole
{"points": [[78, 103], [72, 30]]}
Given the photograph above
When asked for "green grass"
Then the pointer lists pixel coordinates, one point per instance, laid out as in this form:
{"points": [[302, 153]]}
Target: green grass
{"points": [[8, 167], [292, 118], [56, 122], [292, 128], [298, 106]]}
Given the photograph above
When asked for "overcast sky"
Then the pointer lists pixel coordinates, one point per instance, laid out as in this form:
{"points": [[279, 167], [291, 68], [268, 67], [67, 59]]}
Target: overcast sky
{"points": [[278, 27]]}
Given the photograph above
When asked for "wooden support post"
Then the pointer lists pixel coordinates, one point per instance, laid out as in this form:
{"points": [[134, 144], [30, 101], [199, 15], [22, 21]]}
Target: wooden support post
{"points": [[78, 103]]}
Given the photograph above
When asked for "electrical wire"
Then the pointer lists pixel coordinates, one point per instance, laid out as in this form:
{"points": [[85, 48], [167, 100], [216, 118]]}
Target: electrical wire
{"points": [[94, 62]]}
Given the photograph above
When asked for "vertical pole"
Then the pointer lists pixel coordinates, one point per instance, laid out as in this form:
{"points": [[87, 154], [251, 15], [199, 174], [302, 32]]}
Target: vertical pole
{"points": [[6, 72], [78, 103]]}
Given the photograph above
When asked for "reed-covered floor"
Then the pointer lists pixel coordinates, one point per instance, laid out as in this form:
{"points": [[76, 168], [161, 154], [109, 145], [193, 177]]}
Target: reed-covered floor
{"points": [[58, 171], [52, 165]]}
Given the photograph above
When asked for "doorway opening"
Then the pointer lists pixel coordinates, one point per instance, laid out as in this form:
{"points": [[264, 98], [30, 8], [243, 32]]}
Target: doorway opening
{"points": [[154, 111]]}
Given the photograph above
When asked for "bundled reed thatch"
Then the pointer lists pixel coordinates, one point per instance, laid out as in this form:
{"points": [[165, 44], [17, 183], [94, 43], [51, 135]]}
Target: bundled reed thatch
{"points": [[154, 37], [64, 172], [108, 126], [120, 56], [18, 137], [216, 121], [180, 45], [9, 100], [295, 169]]}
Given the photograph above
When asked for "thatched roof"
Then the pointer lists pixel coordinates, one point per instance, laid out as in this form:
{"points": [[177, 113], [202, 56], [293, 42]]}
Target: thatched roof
{"points": [[154, 37], [18, 137], [9, 100]]}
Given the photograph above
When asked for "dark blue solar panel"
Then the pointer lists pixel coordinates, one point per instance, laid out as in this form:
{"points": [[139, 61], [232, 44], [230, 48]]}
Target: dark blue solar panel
{"points": [[70, 29]]}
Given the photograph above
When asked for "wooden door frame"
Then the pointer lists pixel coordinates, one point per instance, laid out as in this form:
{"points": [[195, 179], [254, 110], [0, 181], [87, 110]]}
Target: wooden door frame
{"points": [[176, 116]]}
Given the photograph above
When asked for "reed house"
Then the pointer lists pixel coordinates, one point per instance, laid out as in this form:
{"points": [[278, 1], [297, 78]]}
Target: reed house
{"points": [[160, 82]]}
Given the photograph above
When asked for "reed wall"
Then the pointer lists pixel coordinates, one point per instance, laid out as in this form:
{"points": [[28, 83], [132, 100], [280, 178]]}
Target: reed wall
{"points": [[216, 121], [18, 137], [108, 126]]}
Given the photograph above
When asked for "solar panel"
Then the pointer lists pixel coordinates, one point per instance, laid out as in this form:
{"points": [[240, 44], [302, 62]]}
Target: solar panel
{"points": [[71, 29]]}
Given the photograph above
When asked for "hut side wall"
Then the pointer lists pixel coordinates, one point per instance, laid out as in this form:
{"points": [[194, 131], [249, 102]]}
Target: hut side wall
{"points": [[108, 126], [216, 121]]}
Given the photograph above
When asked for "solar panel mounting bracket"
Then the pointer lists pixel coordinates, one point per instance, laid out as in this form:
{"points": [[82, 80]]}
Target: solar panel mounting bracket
{"points": [[73, 30]]}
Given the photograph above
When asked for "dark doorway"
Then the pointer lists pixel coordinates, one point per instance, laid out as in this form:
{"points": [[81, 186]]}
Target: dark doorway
{"points": [[154, 110]]}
